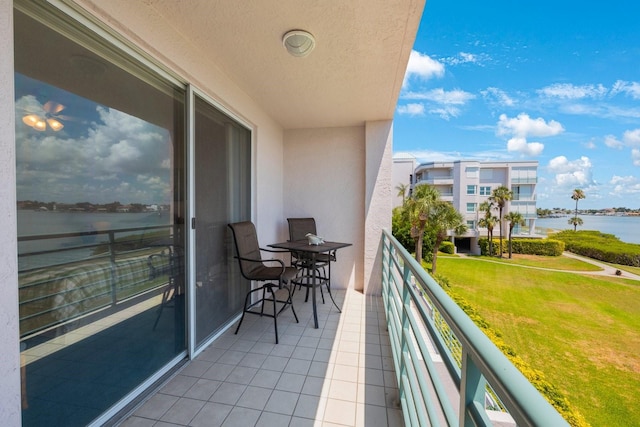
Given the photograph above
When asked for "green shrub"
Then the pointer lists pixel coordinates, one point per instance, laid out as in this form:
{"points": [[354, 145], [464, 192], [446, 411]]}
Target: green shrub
{"points": [[447, 247], [600, 246], [546, 247]]}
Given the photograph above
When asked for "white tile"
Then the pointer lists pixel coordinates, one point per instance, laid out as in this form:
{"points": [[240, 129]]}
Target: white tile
{"points": [[269, 419], [282, 402], [254, 398], [183, 411], [340, 412], [241, 375], [241, 417], [156, 406], [228, 393], [203, 389], [343, 390], [311, 407], [291, 382]]}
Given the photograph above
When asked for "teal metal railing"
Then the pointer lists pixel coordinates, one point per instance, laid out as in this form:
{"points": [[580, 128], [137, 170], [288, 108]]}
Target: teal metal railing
{"points": [[448, 371]]}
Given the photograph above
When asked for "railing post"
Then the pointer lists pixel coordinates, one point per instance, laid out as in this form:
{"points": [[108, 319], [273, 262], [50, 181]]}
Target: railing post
{"points": [[114, 271], [472, 394]]}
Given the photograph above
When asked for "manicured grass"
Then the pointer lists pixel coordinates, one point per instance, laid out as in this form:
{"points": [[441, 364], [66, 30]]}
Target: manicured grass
{"points": [[582, 332], [556, 263]]}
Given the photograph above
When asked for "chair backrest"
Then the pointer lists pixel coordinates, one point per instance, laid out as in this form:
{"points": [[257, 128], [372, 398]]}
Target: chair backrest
{"points": [[246, 243], [299, 227]]}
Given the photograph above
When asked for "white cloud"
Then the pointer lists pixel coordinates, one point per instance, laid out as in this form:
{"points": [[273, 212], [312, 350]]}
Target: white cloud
{"points": [[100, 165], [631, 89], [411, 109], [446, 112], [498, 96], [613, 142], [441, 96], [422, 66], [520, 145], [466, 58], [571, 173], [446, 102], [524, 126], [632, 138], [624, 185], [569, 91], [635, 157], [521, 127]]}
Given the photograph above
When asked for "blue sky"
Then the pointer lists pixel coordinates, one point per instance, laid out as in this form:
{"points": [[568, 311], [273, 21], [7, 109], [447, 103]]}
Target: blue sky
{"points": [[557, 82]]}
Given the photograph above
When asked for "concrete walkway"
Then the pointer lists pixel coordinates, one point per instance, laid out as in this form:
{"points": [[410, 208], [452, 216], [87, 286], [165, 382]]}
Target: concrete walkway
{"points": [[606, 270]]}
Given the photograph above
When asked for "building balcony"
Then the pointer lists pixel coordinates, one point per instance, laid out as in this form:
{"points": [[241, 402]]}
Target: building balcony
{"points": [[530, 180], [437, 180]]}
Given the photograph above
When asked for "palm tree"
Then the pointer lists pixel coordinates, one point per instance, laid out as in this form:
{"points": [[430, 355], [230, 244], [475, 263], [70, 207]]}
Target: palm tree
{"points": [[417, 208], [402, 191], [442, 218], [500, 196], [575, 221], [576, 195], [488, 222], [513, 218]]}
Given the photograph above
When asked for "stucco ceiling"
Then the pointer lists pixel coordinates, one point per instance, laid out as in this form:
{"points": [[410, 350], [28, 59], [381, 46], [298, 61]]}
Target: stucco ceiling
{"points": [[354, 73]]}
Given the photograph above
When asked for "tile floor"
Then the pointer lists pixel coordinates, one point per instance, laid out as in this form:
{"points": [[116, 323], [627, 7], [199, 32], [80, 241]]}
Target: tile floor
{"points": [[340, 374]]}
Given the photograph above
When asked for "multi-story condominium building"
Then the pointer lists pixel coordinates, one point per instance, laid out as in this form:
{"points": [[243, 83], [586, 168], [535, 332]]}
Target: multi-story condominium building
{"points": [[468, 183]]}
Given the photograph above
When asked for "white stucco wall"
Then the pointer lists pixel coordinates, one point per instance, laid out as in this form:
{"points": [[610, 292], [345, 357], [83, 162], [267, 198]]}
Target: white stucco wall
{"points": [[325, 179], [378, 199], [9, 336]]}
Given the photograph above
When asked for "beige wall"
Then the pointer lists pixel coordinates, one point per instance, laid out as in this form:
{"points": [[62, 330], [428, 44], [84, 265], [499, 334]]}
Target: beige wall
{"points": [[9, 336], [324, 179]]}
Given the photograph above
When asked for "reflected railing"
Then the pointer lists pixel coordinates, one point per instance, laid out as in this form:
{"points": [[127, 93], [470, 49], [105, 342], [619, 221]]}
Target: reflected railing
{"points": [[449, 372], [68, 275]]}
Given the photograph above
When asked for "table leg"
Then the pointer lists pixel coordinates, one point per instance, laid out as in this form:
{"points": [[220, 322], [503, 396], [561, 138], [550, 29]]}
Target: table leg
{"points": [[313, 290]]}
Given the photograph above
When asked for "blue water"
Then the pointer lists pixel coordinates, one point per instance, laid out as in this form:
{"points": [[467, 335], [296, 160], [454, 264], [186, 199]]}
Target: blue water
{"points": [[39, 223], [625, 228]]}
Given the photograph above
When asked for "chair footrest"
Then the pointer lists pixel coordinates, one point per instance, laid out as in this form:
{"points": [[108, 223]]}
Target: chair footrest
{"points": [[307, 280]]}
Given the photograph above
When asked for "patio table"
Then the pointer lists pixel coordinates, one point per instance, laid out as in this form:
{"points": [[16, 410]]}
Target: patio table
{"points": [[312, 251]]}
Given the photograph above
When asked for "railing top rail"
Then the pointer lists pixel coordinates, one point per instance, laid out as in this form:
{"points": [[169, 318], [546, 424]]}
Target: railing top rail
{"points": [[28, 238], [523, 400]]}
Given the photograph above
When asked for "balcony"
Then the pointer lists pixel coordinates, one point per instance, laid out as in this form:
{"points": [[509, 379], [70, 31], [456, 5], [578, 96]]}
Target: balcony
{"points": [[404, 356], [401, 359]]}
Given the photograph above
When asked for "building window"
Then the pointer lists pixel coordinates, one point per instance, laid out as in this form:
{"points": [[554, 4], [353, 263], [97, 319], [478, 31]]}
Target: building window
{"points": [[471, 189], [471, 225], [472, 172], [471, 207], [485, 190]]}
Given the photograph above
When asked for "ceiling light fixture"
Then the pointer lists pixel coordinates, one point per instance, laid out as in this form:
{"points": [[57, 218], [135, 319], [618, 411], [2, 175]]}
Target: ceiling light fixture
{"points": [[299, 42], [48, 115]]}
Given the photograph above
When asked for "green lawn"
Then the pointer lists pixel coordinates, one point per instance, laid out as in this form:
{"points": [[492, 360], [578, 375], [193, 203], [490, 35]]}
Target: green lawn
{"points": [[582, 331]]}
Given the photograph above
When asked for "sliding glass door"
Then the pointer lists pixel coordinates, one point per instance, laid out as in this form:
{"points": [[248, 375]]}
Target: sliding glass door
{"points": [[100, 160], [222, 195]]}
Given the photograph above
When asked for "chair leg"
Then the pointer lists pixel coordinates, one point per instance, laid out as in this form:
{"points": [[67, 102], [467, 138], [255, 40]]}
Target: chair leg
{"points": [[244, 310], [290, 302], [275, 312]]}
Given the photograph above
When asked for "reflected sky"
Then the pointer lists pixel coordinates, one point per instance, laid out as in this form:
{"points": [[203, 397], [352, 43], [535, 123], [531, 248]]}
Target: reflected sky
{"points": [[101, 155]]}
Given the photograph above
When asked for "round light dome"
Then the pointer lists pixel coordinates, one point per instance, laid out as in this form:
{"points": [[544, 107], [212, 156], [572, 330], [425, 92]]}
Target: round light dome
{"points": [[298, 42]]}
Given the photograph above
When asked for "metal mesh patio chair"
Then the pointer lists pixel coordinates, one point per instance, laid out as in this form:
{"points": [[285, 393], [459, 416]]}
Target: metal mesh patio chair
{"points": [[276, 276]]}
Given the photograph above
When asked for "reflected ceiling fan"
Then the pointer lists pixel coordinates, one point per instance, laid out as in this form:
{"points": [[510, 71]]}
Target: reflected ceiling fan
{"points": [[50, 116]]}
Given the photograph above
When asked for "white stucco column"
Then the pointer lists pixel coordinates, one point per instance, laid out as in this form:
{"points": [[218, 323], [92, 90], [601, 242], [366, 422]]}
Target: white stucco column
{"points": [[9, 332], [378, 198]]}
